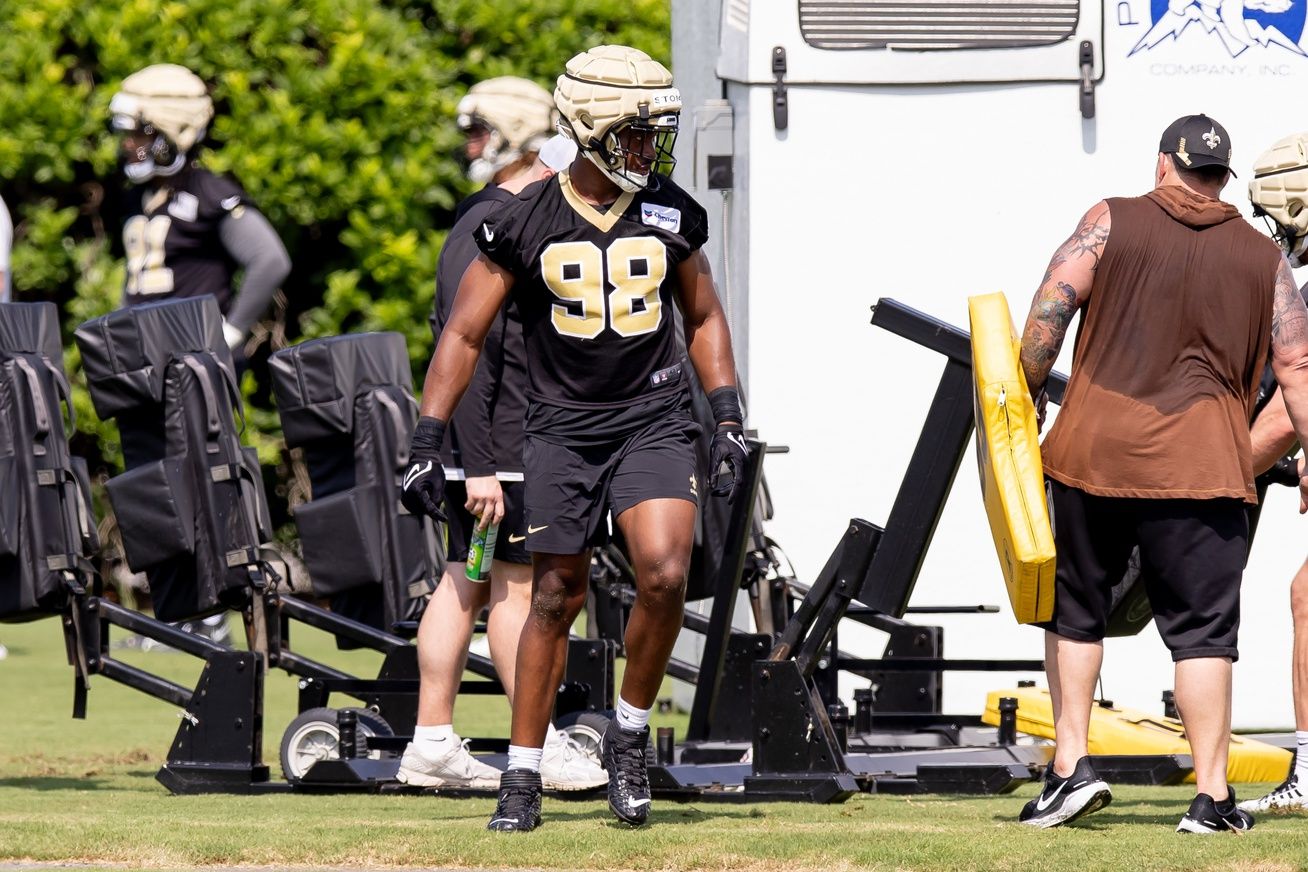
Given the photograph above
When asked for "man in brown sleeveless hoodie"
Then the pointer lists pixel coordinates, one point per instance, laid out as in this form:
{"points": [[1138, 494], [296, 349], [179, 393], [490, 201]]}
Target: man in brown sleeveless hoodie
{"points": [[1181, 300]]}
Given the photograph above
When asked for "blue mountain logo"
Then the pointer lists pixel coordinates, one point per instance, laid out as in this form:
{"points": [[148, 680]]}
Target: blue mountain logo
{"points": [[1238, 24]]}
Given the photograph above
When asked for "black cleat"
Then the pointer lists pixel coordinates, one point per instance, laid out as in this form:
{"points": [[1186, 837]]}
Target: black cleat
{"points": [[1206, 817], [624, 758], [518, 810], [1063, 800]]}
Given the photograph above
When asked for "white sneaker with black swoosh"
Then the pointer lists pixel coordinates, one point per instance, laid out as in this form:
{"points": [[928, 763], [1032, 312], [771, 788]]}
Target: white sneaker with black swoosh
{"points": [[1063, 800]]}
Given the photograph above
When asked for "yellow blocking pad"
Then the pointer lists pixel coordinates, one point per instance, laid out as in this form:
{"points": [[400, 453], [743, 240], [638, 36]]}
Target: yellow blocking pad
{"points": [[1130, 731], [1008, 455]]}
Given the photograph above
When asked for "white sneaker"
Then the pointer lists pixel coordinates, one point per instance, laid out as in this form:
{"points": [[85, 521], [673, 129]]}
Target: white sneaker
{"points": [[565, 766], [1290, 795], [454, 767]]}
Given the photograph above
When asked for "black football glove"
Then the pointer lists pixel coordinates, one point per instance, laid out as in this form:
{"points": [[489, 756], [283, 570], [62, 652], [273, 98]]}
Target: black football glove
{"points": [[423, 487], [1284, 471], [728, 448]]}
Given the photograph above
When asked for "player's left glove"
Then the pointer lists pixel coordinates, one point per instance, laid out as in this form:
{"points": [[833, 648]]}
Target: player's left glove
{"points": [[728, 447], [423, 487]]}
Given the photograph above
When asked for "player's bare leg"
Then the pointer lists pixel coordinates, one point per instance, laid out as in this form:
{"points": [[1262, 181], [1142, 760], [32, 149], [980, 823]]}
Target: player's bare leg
{"points": [[436, 757], [510, 603], [659, 534], [558, 593]]}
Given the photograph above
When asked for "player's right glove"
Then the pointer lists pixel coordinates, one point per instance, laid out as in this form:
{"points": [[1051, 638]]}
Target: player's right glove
{"points": [[728, 447], [423, 487]]}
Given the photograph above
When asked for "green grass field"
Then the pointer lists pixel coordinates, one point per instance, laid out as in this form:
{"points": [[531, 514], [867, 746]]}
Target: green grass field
{"points": [[84, 791]]}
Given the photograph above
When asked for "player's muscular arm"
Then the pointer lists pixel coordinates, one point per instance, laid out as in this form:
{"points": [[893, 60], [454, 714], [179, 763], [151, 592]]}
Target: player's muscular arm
{"points": [[1290, 356], [1065, 288], [708, 338], [1272, 434], [482, 291]]}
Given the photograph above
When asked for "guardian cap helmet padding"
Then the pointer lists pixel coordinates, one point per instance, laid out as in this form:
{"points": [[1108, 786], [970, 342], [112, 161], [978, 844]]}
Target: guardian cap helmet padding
{"points": [[519, 116], [167, 104], [612, 89], [1279, 192]]}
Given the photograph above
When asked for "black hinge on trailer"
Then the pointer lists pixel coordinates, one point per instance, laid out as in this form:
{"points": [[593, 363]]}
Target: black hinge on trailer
{"points": [[1087, 58], [780, 107]]}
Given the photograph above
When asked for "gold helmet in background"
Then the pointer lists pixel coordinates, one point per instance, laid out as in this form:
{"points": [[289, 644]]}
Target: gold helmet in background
{"points": [[166, 110], [1279, 192], [519, 116], [611, 89]]}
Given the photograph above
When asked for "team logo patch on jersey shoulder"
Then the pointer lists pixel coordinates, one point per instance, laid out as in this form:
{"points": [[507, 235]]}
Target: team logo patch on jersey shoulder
{"points": [[184, 207], [663, 217]]}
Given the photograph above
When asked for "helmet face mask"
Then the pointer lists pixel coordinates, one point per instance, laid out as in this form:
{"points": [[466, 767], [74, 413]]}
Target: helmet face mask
{"points": [[144, 152], [634, 150]]}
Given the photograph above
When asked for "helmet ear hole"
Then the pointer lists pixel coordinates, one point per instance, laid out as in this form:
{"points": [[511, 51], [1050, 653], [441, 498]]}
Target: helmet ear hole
{"points": [[1294, 209]]}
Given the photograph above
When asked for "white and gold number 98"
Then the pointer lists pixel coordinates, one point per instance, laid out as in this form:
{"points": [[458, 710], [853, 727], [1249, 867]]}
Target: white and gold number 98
{"points": [[574, 272]]}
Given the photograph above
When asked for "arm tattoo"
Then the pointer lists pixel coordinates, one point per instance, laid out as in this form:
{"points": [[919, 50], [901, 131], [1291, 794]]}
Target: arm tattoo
{"points": [[1046, 327], [1289, 315], [1087, 241]]}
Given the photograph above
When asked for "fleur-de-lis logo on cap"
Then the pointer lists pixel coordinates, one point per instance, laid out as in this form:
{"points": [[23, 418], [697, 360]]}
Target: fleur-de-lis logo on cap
{"points": [[1213, 138]]}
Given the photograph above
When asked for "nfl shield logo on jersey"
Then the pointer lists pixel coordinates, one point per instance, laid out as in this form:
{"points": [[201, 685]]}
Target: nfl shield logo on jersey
{"points": [[664, 217]]}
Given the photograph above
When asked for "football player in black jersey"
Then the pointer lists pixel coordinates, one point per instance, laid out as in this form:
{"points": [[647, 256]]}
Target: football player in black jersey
{"points": [[188, 230], [509, 121], [596, 258]]}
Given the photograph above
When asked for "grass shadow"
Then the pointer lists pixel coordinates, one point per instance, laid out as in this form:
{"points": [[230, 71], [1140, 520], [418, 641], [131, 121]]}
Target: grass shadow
{"points": [[54, 782]]}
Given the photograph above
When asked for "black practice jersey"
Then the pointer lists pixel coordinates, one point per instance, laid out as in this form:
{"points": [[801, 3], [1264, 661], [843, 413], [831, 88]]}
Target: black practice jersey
{"points": [[484, 436], [597, 291], [171, 237]]}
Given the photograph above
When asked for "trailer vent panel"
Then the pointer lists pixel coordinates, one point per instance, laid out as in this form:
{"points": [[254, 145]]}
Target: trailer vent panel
{"points": [[941, 25]]}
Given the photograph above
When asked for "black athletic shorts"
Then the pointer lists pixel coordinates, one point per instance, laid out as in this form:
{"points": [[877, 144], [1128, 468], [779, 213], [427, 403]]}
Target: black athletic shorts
{"points": [[571, 490], [511, 543], [1192, 555]]}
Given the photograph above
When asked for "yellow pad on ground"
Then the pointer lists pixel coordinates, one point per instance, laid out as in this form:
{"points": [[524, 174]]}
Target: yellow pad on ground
{"points": [[1130, 731], [1008, 454]]}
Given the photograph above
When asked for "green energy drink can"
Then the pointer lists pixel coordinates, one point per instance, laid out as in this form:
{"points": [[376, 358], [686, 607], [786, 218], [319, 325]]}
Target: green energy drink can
{"points": [[481, 551]]}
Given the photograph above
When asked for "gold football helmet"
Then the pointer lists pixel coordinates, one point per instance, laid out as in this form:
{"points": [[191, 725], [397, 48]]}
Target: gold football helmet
{"points": [[163, 111], [518, 115], [618, 104], [1279, 192]]}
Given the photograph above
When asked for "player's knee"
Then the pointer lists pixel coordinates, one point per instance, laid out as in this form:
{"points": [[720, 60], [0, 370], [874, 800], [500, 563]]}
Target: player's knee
{"points": [[553, 602], [663, 582]]}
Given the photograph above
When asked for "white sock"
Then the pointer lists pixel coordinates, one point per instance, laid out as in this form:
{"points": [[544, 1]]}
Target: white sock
{"points": [[1301, 758], [433, 739], [630, 717], [525, 758]]}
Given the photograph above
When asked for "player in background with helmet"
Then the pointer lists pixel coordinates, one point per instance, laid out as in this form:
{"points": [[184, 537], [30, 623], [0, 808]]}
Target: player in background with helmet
{"points": [[595, 259], [482, 460], [188, 231], [1279, 192], [505, 121]]}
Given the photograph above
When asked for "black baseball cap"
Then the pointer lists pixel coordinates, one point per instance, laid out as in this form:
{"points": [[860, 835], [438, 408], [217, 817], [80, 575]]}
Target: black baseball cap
{"points": [[1197, 141]]}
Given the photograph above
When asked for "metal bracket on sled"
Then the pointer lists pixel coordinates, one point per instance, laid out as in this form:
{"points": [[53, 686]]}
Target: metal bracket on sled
{"points": [[797, 754]]}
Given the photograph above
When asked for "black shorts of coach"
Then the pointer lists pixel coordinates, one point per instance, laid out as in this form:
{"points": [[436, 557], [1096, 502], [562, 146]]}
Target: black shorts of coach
{"points": [[511, 541], [572, 489], [1192, 556]]}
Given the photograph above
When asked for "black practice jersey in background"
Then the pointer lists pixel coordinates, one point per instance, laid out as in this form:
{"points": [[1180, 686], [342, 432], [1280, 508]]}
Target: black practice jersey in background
{"points": [[485, 433], [597, 292], [171, 239]]}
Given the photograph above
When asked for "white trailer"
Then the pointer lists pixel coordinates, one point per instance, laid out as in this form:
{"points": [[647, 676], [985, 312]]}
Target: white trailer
{"points": [[927, 151]]}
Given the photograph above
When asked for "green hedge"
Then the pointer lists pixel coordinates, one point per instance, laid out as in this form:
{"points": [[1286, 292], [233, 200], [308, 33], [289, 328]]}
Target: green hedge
{"points": [[336, 115]]}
